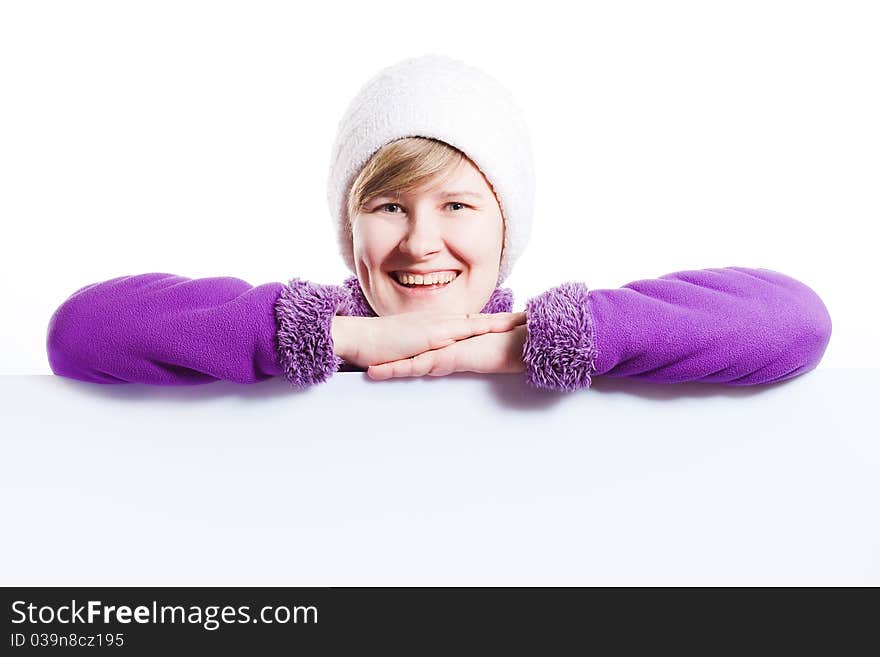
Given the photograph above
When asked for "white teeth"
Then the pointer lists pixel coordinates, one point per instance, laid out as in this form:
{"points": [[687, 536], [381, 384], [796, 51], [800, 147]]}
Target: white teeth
{"points": [[427, 279]]}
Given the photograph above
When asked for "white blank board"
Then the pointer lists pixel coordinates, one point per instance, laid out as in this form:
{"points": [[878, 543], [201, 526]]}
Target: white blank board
{"points": [[458, 480]]}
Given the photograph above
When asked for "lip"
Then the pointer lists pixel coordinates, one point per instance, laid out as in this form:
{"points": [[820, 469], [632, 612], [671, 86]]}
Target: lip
{"points": [[423, 273], [423, 291]]}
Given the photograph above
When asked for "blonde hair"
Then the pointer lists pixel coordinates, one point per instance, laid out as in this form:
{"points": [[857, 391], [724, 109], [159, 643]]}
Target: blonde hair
{"points": [[403, 165]]}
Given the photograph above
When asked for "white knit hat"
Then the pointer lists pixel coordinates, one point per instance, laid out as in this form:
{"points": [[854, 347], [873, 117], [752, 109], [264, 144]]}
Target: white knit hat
{"points": [[441, 98]]}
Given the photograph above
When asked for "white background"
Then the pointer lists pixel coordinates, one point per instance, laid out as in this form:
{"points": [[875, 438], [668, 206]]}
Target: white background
{"points": [[194, 138]]}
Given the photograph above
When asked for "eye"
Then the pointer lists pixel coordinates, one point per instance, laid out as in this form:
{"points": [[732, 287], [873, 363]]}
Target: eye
{"points": [[386, 205]]}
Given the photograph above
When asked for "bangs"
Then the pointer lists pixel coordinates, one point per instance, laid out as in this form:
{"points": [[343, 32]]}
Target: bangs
{"points": [[401, 166]]}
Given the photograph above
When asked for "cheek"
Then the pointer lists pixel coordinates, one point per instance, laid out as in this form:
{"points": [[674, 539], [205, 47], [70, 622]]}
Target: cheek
{"points": [[373, 244], [480, 243]]}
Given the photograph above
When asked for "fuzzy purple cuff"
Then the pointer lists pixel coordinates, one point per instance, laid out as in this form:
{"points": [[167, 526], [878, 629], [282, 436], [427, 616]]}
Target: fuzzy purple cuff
{"points": [[303, 313], [560, 349]]}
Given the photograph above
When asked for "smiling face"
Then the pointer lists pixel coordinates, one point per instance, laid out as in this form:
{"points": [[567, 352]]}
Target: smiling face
{"points": [[452, 224]]}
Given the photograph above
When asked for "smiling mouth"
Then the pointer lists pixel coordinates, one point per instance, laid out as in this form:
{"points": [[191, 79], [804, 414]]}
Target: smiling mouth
{"points": [[417, 287]]}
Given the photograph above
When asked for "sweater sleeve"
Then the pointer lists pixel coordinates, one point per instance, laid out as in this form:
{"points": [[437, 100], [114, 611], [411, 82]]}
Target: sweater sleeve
{"points": [[164, 329], [733, 326]]}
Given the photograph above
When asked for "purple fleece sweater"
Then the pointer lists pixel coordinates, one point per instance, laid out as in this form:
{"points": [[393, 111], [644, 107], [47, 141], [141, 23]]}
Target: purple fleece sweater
{"points": [[734, 326]]}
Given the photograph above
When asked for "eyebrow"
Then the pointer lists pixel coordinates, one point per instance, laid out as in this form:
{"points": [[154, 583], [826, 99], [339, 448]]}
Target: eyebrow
{"points": [[445, 194]]}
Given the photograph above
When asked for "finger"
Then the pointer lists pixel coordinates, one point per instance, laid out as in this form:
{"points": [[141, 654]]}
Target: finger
{"points": [[440, 362], [415, 366], [465, 326], [443, 361], [418, 365], [379, 372], [502, 321], [385, 370]]}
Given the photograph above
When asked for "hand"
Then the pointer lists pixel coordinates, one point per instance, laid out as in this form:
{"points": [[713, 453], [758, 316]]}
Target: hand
{"points": [[366, 341], [492, 353]]}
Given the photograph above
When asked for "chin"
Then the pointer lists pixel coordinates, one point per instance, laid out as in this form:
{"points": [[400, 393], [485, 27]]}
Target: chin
{"points": [[446, 305]]}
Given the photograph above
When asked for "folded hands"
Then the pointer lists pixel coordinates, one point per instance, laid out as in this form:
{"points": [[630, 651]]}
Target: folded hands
{"points": [[431, 344]]}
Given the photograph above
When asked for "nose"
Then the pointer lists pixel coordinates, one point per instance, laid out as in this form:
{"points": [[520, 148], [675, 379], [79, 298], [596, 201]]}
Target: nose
{"points": [[424, 234]]}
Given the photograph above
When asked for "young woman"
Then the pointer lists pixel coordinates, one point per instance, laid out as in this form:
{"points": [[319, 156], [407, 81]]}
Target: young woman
{"points": [[431, 187]]}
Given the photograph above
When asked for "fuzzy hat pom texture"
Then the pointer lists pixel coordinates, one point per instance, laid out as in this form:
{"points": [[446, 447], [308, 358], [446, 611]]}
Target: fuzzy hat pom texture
{"points": [[442, 98]]}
